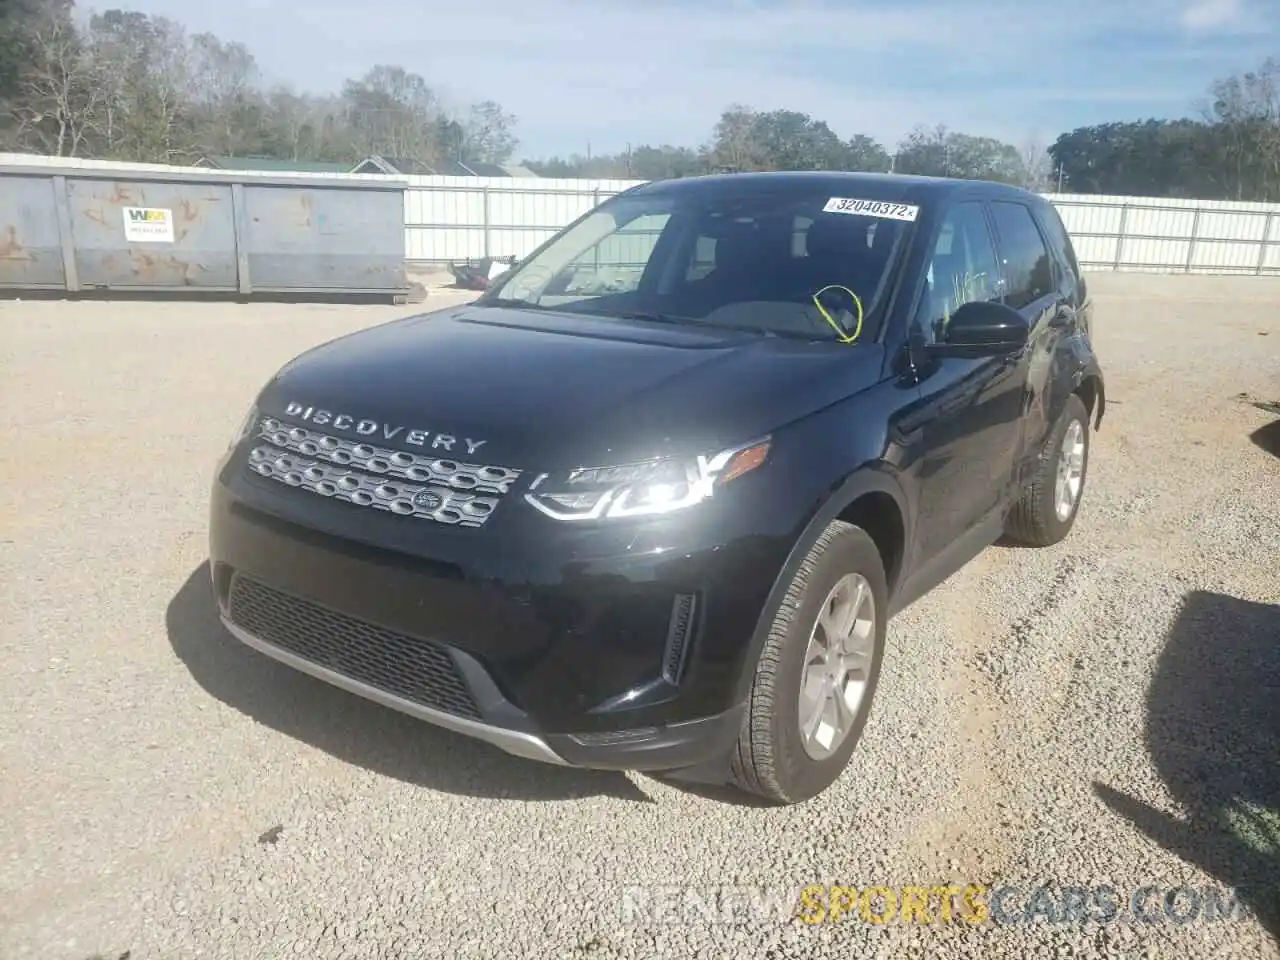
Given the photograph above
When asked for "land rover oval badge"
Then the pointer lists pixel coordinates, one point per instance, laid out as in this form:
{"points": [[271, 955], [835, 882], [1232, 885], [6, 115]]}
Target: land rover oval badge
{"points": [[427, 500]]}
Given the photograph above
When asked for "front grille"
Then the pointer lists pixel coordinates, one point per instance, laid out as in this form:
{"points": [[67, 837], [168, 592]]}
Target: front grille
{"points": [[411, 668], [396, 481]]}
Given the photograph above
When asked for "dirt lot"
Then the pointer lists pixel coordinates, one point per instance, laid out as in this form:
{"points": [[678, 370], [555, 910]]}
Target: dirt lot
{"points": [[1106, 712]]}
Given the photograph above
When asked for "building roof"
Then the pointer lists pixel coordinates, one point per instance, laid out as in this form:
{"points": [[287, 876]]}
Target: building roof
{"points": [[485, 169], [271, 165], [452, 168], [470, 168], [447, 168], [393, 166]]}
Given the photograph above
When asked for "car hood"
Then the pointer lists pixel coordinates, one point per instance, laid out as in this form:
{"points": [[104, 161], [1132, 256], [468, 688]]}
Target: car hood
{"points": [[525, 388]]}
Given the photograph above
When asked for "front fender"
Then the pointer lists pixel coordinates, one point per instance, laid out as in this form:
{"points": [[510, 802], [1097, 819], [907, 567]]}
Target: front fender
{"points": [[875, 478]]}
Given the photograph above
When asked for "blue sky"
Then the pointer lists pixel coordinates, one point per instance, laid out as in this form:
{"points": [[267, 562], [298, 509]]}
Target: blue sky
{"points": [[609, 72]]}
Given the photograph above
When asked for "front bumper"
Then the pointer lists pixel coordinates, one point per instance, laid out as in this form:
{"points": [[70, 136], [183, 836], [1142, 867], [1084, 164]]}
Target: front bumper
{"points": [[515, 742], [676, 746], [602, 648]]}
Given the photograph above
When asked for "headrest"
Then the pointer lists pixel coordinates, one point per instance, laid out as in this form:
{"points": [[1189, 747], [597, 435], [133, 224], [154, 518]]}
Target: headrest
{"points": [[835, 235], [747, 246], [737, 243]]}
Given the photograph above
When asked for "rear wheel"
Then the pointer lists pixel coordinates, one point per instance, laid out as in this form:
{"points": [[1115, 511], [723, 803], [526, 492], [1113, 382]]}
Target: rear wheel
{"points": [[1048, 508], [817, 673]]}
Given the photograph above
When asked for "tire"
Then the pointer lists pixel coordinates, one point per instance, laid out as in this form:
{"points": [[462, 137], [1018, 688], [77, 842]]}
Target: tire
{"points": [[1034, 519], [770, 759]]}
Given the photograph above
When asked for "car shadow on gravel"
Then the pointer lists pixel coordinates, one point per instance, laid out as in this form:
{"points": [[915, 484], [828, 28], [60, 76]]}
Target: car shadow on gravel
{"points": [[1213, 732], [356, 730], [1268, 438]]}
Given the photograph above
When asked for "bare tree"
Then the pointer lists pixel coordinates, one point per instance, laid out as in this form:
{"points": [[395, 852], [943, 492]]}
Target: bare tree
{"points": [[393, 112], [287, 117], [1037, 165], [225, 99], [171, 123], [735, 141], [1246, 108], [147, 77], [126, 85], [118, 59], [59, 96], [301, 126], [488, 133]]}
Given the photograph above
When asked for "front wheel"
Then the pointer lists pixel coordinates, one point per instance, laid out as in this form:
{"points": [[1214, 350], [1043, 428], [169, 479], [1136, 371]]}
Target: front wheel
{"points": [[817, 673]]}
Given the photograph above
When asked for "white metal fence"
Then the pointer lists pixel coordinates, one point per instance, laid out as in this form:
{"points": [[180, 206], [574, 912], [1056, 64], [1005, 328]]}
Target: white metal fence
{"points": [[453, 218], [1172, 236], [449, 218]]}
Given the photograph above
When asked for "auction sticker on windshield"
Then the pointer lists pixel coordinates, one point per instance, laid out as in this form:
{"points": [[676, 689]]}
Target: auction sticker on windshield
{"points": [[872, 208]]}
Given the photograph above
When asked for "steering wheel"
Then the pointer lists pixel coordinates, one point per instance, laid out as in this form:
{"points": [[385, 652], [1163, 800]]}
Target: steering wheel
{"points": [[527, 281]]}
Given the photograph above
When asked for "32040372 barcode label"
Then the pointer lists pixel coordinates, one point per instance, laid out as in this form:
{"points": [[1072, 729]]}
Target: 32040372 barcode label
{"points": [[872, 208]]}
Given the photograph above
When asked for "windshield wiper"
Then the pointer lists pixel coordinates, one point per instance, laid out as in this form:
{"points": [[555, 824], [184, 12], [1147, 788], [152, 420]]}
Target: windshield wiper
{"points": [[509, 302], [680, 321]]}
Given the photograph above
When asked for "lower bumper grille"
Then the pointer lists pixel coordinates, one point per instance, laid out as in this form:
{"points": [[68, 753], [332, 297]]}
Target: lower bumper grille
{"points": [[411, 668]]}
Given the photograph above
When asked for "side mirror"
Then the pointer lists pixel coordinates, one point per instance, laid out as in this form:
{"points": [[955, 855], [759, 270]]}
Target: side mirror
{"points": [[983, 328]]}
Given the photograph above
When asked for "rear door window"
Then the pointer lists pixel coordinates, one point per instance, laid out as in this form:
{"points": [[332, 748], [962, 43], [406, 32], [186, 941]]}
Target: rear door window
{"points": [[1068, 269], [1028, 269]]}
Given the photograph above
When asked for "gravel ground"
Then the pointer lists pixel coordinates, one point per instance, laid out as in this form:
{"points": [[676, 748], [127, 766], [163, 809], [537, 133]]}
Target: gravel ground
{"points": [[1102, 712]]}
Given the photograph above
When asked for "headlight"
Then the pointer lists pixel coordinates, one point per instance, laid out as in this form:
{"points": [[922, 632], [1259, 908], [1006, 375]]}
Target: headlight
{"points": [[250, 419], [650, 488]]}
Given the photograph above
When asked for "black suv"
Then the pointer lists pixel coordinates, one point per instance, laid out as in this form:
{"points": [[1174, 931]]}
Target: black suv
{"points": [[650, 502]]}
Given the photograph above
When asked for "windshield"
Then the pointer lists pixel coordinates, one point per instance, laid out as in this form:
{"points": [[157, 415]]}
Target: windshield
{"points": [[810, 265]]}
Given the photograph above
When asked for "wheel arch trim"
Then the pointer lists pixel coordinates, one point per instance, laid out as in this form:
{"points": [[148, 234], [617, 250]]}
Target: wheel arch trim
{"points": [[875, 478], [1083, 368]]}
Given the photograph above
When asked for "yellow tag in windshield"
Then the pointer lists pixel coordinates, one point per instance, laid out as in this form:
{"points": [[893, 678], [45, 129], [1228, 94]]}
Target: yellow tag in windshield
{"points": [[826, 314]]}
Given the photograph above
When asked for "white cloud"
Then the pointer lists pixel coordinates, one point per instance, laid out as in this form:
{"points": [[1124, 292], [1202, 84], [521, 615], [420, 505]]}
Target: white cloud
{"points": [[1213, 14]]}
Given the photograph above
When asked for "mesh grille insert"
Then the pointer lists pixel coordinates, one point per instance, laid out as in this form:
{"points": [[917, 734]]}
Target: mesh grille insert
{"points": [[411, 668], [679, 630], [417, 485]]}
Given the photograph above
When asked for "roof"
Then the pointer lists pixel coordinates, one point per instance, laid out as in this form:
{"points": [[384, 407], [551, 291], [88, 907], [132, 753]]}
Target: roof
{"points": [[271, 164], [470, 168], [485, 169], [410, 165], [393, 165], [448, 168], [900, 187], [452, 168]]}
